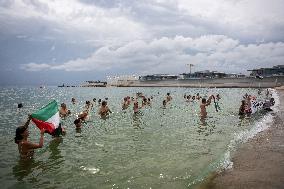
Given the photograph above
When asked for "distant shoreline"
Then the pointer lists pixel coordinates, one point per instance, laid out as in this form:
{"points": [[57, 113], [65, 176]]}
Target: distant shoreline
{"points": [[249, 82]]}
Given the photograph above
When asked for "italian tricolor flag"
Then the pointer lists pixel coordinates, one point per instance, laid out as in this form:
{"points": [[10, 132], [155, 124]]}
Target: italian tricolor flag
{"points": [[47, 117]]}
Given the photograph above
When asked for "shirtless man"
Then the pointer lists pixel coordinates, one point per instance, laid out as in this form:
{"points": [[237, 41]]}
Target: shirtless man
{"points": [[135, 107], [168, 97], [25, 147], [63, 112], [203, 105], [125, 103], [104, 110]]}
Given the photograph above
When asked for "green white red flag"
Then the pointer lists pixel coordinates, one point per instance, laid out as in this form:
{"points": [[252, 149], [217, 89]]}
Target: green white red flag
{"points": [[47, 117]]}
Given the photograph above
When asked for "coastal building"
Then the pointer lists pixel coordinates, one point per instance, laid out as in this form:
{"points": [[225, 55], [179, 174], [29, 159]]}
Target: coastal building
{"points": [[94, 84], [121, 79], [266, 72], [203, 74], [156, 77]]}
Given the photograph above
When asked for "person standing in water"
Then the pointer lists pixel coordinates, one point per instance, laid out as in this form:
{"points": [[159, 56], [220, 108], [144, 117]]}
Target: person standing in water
{"points": [[104, 110], [25, 147], [168, 97], [204, 103]]}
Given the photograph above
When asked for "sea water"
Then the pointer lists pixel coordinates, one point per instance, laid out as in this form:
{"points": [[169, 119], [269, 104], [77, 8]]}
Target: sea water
{"points": [[157, 148]]}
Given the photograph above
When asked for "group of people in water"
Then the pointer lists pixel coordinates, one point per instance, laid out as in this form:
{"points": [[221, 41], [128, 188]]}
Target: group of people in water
{"points": [[26, 148]]}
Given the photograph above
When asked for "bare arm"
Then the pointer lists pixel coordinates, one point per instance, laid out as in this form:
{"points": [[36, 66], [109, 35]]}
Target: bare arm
{"points": [[40, 144], [26, 125], [209, 100], [109, 110]]}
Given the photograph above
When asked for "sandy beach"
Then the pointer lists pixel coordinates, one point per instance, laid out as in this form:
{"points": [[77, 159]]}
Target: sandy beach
{"points": [[259, 163]]}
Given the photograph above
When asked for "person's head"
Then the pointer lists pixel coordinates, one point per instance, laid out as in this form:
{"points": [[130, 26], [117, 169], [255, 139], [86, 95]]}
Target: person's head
{"points": [[168, 94], [73, 100], [203, 100], [193, 97], [164, 102], [272, 101], [106, 98], [21, 133], [135, 104], [104, 103], [88, 102], [144, 99], [77, 122], [149, 99], [20, 105], [94, 99], [99, 100], [125, 99], [243, 102], [197, 94], [63, 105]]}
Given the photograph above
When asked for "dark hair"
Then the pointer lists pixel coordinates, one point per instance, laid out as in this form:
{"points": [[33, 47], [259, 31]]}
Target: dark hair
{"points": [[58, 131], [20, 105], [104, 103], [203, 100], [63, 104], [19, 131], [94, 99], [77, 121], [168, 93], [87, 102]]}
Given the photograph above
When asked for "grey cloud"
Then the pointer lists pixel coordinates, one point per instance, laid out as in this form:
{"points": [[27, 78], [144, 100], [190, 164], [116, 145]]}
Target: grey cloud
{"points": [[172, 54]]}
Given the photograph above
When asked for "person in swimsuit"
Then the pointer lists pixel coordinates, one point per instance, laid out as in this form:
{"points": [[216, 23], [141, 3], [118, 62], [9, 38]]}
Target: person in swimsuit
{"points": [[104, 110], [242, 108], [25, 147], [64, 112], [136, 107], [125, 103], [168, 97], [203, 105], [73, 100]]}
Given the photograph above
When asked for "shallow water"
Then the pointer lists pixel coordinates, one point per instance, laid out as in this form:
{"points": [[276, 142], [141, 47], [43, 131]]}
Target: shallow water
{"points": [[159, 148]]}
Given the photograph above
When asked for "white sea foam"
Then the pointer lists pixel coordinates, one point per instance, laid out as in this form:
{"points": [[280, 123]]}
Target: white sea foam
{"points": [[92, 170], [244, 136]]}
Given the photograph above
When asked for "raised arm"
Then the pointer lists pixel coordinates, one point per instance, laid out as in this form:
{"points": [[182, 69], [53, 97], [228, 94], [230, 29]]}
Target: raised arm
{"points": [[26, 125], [40, 144], [209, 100]]}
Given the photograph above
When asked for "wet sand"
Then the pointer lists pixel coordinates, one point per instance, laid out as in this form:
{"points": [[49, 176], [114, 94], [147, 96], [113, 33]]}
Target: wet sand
{"points": [[259, 163]]}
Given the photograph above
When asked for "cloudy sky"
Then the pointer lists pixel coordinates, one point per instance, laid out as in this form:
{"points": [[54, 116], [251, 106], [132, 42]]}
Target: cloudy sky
{"points": [[70, 41]]}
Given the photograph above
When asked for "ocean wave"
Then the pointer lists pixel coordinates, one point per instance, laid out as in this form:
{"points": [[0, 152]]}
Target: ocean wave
{"points": [[243, 136]]}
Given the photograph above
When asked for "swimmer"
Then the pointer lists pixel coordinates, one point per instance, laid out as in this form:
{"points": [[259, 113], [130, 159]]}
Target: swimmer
{"points": [[242, 108], [73, 100], [125, 103], [203, 105], [78, 123], [25, 147], [64, 112], [104, 110], [84, 115], [168, 97], [136, 107], [164, 104]]}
